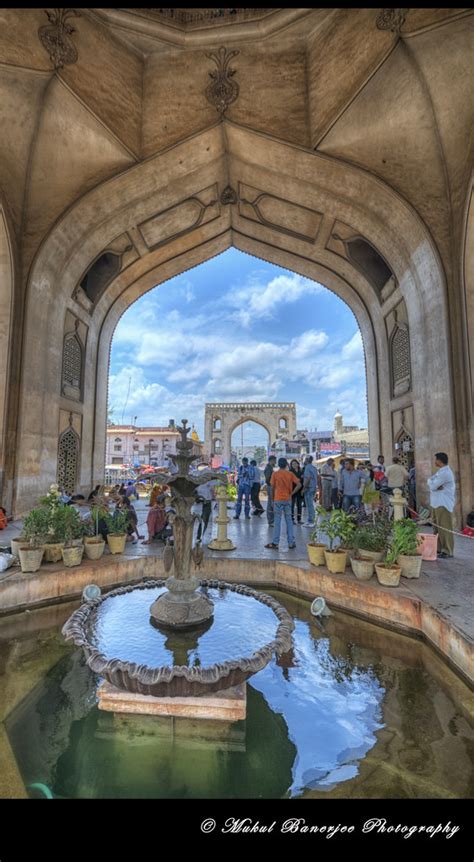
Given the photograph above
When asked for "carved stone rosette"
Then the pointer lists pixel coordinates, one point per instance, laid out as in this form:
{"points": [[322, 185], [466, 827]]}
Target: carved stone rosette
{"points": [[178, 680], [222, 91], [55, 37], [391, 19]]}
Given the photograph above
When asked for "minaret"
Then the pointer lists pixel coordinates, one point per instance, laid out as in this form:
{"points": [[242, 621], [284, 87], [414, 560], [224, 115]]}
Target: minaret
{"points": [[338, 425]]}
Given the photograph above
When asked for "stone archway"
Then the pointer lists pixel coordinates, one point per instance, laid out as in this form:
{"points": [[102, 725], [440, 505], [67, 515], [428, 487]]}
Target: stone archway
{"points": [[170, 213], [234, 414], [6, 317]]}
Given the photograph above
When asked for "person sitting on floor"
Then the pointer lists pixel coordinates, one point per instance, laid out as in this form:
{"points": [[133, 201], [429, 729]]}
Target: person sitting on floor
{"points": [[157, 521]]}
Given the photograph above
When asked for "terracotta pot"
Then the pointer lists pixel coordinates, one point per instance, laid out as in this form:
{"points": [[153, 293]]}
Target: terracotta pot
{"points": [[72, 556], [52, 552], [15, 544], [411, 565], [388, 576], [316, 554], [30, 558], [94, 549], [363, 568], [428, 547], [351, 552], [376, 556], [116, 543], [336, 561]]}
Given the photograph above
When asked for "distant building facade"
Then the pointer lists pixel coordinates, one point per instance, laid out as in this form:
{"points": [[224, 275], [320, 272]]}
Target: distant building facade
{"points": [[130, 444]]}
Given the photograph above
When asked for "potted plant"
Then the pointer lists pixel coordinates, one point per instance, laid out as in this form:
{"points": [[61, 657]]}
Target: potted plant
{"points": [[346, 535], [53, 544], [93, 542], [117, 524], [371, 537], [315, 547], [71, 530], [388, 573], [363, 567], [406, 533], [35, 531], [336, 526]]}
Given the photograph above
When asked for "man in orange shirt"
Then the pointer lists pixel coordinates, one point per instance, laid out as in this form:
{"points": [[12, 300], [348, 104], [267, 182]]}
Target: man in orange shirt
{"points": [[283, 485]]}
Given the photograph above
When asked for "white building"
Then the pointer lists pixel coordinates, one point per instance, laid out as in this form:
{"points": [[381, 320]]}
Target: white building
{"points": [[128, 444]]}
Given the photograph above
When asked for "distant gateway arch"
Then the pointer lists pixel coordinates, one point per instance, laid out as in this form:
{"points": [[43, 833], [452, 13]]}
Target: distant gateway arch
{"points": [[221, 420]]}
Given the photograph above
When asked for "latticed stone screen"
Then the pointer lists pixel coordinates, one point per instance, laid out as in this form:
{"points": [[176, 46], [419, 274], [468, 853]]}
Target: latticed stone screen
{"points": [[401, 360], [68, 460], [405, 457], [72, 363]]}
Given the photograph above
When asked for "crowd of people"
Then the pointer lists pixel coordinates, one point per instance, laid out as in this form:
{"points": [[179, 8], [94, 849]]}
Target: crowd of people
{"points": [[291, 490]]}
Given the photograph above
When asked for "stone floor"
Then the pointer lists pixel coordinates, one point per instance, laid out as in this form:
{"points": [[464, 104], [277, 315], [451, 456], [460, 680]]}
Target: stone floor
{"points": [[447, 585]]}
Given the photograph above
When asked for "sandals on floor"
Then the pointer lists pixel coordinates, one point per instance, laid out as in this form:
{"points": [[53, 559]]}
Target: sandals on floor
{"points": [[272, 546]]}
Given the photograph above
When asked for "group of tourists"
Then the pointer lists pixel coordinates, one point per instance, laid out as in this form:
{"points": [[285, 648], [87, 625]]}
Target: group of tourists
{"points": [[292, 487]]}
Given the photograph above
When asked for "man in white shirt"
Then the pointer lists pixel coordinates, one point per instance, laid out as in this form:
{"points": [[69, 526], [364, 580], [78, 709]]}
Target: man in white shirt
{"points": [[396, 475], [442, 498]]}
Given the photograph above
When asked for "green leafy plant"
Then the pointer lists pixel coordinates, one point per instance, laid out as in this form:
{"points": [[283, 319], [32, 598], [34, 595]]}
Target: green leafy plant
{"points": [[68, 525], [369, 538], [316, 535], [91, 525], [36, 526], [116, 522], [339, 525], [405, 535]]}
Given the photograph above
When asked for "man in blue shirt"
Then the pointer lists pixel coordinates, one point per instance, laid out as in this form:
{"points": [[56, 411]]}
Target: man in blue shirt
{"points": [[310, 483], [351, 483], [244, 482]]}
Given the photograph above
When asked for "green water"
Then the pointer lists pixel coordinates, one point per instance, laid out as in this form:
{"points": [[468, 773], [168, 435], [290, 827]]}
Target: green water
{"points": [[353, 710]]}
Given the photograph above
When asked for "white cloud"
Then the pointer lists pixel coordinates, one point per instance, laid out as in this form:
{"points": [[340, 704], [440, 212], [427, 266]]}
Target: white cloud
{"points": [[257, 300], [354, 348]]}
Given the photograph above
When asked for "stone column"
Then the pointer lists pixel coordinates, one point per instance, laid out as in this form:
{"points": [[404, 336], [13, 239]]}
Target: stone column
{"points": [[222, 542]]}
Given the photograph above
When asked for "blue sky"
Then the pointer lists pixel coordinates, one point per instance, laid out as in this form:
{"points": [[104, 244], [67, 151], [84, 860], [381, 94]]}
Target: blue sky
{"points": [[238, 329]]}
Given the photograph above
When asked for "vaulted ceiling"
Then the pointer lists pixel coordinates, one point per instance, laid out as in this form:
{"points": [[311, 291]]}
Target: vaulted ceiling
{"points": [[390, 94]]}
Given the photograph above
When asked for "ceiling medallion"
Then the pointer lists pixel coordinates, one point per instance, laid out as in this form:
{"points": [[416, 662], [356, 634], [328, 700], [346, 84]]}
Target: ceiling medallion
{"points": [[391, 19], [55, 37], [222, 91]]}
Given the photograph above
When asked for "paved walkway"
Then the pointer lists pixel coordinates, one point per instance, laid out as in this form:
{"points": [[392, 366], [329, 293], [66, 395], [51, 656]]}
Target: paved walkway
{"points": [[447, 585]]}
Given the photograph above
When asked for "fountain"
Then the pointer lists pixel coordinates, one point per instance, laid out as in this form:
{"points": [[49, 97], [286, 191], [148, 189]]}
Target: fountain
{"points": [[181, 617]]}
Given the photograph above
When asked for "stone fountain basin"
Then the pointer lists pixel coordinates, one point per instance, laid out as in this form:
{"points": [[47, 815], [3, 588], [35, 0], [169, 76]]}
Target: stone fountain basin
{"points": [[179, 680]]}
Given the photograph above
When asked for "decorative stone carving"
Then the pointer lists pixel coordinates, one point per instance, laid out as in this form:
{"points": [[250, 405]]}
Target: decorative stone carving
{"points": [[400, 360], [196, 17], [181, 218], [279, 214], [71, 385], [391, 19], [68, 459], [228, 196], [55, 37], [222, 91]]}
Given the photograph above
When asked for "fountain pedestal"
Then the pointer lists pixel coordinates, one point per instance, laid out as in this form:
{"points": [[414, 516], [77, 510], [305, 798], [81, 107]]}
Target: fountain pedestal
{"points": [[182, 606], [227, 705], [222, 542]]}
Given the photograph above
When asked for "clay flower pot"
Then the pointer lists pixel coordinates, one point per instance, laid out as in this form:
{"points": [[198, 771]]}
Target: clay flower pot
{"points": [[30, 558], [15, 544], [376, 556], [116, 543], [388, 576], [52, 552], [94, 547], [410, 565], [363, 568], [72, 556], [316, 554], [336, 561]]}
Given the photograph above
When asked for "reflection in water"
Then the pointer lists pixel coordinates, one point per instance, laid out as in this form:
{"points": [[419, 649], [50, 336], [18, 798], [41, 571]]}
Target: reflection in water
{"points": [[331, 709], [348, 711]]}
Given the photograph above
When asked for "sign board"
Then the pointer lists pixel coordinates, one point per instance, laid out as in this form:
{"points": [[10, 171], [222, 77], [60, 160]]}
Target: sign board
{"points": [[330, 448]]}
